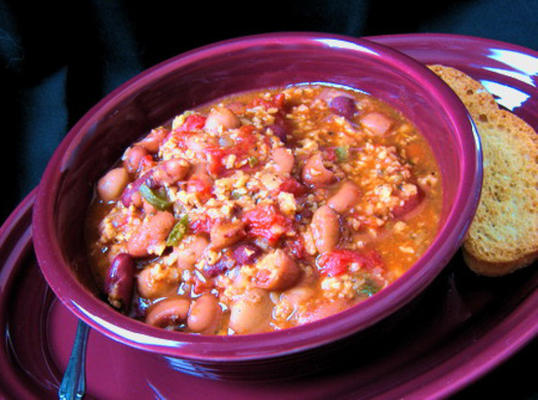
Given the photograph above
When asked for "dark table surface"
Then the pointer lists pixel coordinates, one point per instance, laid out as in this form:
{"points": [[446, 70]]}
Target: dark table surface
{"points": [[59, 58]]}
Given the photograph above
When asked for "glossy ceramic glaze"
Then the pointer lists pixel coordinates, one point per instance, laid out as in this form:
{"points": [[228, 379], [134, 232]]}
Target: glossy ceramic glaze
{"points": [[459, 328], [196, 77]]}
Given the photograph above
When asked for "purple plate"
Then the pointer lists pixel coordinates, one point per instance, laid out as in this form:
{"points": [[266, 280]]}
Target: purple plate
{"points": [[460, 328]]}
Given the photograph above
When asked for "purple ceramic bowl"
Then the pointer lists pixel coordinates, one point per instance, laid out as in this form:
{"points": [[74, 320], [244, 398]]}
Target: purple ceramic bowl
{"points": [[213, 71]]}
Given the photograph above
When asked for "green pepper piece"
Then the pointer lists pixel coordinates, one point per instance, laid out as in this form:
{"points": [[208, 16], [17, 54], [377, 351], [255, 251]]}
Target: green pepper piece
{"points": [[253, 161], [341, 153], [369, 288], [157, 200], [178, 232]]}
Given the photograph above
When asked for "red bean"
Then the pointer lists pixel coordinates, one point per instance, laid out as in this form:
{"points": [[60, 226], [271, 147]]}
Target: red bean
{"points": [[119, 281], [246, 253], [224, 264], [134, 187], [204, 314], [277, 271], [344, 106], [410, 197], [154, 231], [325, 229], [169, 312], [315, 173], [279, 130]]}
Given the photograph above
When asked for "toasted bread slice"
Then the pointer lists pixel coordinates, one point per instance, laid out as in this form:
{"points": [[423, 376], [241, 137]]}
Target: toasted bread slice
{"points": [[503, 235]]}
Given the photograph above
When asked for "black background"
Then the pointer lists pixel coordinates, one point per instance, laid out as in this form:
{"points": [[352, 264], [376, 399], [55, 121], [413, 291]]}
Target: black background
{"points": [[57, 59]]}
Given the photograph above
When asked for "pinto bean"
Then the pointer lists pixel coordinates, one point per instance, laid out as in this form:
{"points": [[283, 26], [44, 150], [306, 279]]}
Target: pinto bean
{"points": [[152, 285], [119, 281], [171, 171], [221, 119], [153, 140], [277, 271], [325, 229], [192, 250], [132, 158], [377, 123], [283, 159], [204, 315], [323, 310], [169, 312], [150, 233], [252, 312], [224, 234], [110, 187], [315, 173], [345, 197]]}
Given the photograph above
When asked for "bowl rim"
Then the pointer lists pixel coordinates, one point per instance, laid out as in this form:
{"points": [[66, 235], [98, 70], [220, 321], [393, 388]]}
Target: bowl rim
{"points": [[121, 328]]}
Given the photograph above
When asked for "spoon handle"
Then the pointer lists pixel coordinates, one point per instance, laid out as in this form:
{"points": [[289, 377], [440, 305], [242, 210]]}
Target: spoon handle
{"points": [[73, 384]]}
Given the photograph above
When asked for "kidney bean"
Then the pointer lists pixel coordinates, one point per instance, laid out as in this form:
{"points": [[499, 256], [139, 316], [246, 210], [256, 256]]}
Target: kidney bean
{"points": [[192, 250], [344, 106], [204, 315], [410, 197], [377, 123], [152, 232], [345, 197], [246, 253], [283, 159], [315, 173], [169, 312], [119, 281], [224, 234], [279, 130], [325, 228], [277, 271], [134, 187], [132, 158], [251, 313], [224, 264], [221, 119], [112, 184], [153, 286]]}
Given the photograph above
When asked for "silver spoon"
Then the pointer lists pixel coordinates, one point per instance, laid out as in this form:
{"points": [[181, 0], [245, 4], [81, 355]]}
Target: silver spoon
{"points": [[73, 384]]}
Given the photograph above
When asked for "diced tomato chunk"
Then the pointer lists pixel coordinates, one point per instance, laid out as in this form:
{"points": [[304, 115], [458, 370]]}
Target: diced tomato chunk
{"points": [[337, 262], [201, 225], [200, 184], [296, 247], [265, 221], [215, 157], [192, 123], [293, 186]]}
